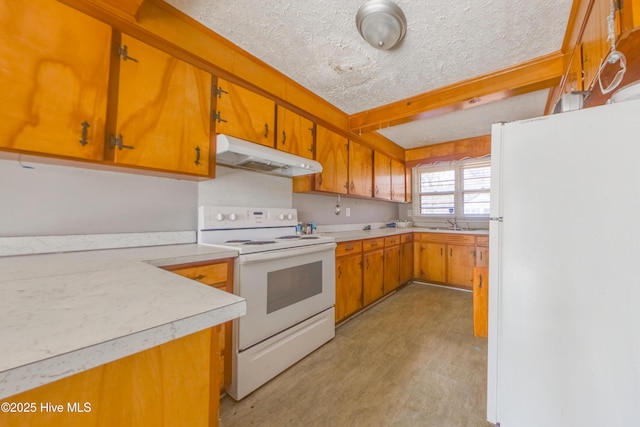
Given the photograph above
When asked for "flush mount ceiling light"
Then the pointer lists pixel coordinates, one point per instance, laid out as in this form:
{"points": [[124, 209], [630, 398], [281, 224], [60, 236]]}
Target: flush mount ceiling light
{"points": [[381, 23]]}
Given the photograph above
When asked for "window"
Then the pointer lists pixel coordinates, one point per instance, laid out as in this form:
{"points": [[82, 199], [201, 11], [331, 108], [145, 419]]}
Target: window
{"points": [[457, 189]]}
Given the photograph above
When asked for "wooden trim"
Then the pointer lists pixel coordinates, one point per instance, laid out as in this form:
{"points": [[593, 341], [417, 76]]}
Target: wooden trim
{"points": [[447, 151], [537, 74]]}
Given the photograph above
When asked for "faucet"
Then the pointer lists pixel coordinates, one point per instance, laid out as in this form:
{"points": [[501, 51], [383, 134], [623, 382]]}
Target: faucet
{"points": [[453, 225]]}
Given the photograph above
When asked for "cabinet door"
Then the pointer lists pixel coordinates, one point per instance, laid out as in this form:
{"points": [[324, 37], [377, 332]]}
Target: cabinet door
{"points": [[294, 133], [433, 262], [244, 114], [382, 176], [406, 262], [331, 152], [360, 169], [54, 71], [348, 285], [480, 302], [460, 263], [373, 279], [163, 115], [391, 268], [408, 185], [397, 181]]}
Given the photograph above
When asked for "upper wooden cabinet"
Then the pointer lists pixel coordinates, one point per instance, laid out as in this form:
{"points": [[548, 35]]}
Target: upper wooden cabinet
{"points": [[244, 114], [54, 72], [294, 133], [332, 153], [382, 176], [163, 111], [360, 169], [397, 181], [408, 185]]}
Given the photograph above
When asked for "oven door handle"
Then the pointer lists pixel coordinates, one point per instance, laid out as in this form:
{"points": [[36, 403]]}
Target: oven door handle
{"points": [[285, 253]]}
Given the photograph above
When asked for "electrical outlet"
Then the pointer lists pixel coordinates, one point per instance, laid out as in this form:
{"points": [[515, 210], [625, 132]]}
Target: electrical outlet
{"points": [[409, 213], [347, 212]]}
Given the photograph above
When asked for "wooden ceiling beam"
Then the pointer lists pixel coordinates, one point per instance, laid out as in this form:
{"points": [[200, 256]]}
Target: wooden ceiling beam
{"points": [[537, 74]]}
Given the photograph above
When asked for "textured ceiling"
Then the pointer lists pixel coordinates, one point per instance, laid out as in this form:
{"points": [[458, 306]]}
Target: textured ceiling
{"points": [[317, 45]]}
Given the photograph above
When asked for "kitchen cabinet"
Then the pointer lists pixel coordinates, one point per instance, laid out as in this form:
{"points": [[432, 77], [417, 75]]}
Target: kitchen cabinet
{"points": [[348, 279], [360, 170], [447, 258], [218, 274], [332, 154], [54, 76], [294, 133], [244, 114], [406, 257], [408, 185], [373, 278], [482, 251], [481, 301], [381, 176], [391, 263], [163, 111], [167, 385], [397, 181]]}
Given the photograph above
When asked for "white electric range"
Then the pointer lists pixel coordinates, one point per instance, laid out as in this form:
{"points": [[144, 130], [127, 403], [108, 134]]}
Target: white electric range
{"points": [[288, 281]]}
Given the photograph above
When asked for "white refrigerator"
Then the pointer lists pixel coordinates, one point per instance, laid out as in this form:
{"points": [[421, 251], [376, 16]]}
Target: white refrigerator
{"points": [[564, 273]]}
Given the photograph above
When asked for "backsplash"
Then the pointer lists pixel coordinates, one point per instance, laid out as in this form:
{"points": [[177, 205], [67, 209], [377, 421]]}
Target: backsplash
{"points": [[321, 209]]}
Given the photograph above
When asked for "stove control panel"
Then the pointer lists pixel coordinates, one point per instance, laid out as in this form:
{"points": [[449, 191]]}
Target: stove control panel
{"points": [[221, 217]]}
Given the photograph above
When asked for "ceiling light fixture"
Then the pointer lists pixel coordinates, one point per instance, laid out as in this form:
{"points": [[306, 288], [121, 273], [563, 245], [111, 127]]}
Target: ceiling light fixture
{"points": [[381, 23]]}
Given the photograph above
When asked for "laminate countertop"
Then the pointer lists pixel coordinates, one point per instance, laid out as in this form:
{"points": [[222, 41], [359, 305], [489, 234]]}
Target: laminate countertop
{"points": [[345, 236], [64, 313]]}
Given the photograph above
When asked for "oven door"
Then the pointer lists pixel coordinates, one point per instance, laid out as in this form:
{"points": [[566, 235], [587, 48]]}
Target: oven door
{"points": [[283, 288]]}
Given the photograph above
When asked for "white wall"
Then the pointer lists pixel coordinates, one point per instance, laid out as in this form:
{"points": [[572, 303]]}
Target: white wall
{"points": [[321, 209], [59, 200], [238, 187]]}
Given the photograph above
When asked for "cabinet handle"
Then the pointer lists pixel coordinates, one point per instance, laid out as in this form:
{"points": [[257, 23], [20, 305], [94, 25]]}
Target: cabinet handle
{"points": [[219, 91], [199, 277], [480, 284], [352, 186], [123, 52], [310, 148], [85, 133], [197, 161], [346, 185], [450, 252], [284, 137], [339, 272], [266, 130], [377, 191], [480, 257], [313, 131], [116, 141], [348, 249], [441, 253]]}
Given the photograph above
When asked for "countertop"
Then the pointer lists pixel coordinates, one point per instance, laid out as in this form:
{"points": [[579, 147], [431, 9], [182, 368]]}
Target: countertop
{"points": [[68, 312], [345, 236]]}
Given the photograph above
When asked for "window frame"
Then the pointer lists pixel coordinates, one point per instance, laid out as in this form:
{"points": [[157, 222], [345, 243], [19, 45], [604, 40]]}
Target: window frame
{"points": [[458, 166]]}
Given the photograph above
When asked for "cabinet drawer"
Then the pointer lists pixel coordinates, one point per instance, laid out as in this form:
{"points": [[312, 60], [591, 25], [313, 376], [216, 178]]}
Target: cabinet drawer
{"points": [[457, 239], [348, 248], [392, 240], [406, 238], [482, 240], [212, 274], [371, 244]]}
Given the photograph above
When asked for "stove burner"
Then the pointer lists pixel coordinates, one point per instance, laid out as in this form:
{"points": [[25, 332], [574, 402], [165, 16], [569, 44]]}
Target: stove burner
{"points": [[237, 241], [260, 242], [309, 237], [288, 238]]}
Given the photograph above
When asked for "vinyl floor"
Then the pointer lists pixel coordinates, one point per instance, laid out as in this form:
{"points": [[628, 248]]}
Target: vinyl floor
{"points": [[410, 360]]}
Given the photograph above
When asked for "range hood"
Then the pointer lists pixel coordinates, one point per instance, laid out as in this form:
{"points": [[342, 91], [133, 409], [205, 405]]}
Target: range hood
{"points": [[238, 153]]}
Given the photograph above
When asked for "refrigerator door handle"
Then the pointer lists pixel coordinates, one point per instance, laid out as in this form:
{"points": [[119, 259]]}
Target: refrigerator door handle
{"points": [[496, 218]]}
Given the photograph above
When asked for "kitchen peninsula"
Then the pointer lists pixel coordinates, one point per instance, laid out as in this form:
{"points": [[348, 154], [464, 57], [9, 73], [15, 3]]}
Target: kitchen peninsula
{"points": [[110, 336]]}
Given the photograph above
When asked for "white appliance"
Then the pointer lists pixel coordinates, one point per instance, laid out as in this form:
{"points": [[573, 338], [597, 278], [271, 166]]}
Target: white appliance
{"points": [[564, 284], [238, 153], [288, 281]]}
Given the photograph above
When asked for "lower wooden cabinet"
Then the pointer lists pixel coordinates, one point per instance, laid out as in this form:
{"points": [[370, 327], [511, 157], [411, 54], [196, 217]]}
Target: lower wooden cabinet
{"points": [[218, 274], [367, 270], [373, 279], [481, 301], [449, 259], [164, 386], [348, 279]]}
